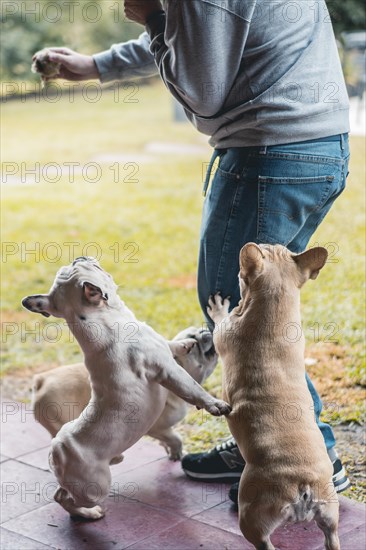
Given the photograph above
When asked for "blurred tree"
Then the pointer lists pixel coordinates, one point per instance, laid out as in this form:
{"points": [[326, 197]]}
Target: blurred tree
{"points": [[84, 25], [347, 15], [20, 37]]}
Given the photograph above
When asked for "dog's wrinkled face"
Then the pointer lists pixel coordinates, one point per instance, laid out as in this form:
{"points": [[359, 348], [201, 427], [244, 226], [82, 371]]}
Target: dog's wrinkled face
{"points": [[83, 287], [201, 361], [77, 289]]}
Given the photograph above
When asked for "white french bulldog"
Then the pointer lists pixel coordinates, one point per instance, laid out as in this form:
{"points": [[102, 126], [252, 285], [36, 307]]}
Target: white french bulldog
{"points": [[61, 394], [137, 369]]}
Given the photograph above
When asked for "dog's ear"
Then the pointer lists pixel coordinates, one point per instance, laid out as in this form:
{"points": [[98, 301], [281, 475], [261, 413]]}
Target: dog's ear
{"points": [[311, 261], [181, 347], [251, 261], [93, 293]]}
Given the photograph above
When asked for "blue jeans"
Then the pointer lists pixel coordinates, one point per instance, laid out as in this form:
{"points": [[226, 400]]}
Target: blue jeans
{"points": [[276, 194]]}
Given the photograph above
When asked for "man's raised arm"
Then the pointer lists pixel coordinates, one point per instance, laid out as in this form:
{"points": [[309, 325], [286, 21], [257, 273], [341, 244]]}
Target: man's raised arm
{"points": [[125, 61]]}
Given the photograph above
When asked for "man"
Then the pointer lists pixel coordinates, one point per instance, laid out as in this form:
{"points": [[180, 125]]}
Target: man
{"points": [[264, 81]]}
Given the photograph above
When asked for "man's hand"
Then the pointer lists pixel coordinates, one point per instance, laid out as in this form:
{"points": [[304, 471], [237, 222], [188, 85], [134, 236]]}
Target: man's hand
{"points": [[140, 10], [74, 66]]}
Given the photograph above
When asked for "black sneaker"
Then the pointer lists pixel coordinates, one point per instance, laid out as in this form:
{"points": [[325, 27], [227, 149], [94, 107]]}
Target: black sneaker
{"points": [[223, 463], [340, 481]]}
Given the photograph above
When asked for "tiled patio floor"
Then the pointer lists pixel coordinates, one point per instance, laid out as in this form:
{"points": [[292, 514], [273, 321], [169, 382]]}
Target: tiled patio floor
{"points": [[153, 505]]}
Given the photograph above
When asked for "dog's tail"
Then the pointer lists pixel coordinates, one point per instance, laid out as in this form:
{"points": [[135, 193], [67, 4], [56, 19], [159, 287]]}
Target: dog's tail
{"points": [[38, 380], [302, 507], [304, 504]]}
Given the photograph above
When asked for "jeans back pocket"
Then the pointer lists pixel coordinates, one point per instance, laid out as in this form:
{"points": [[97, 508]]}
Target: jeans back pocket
{"points": [[286, 203]]}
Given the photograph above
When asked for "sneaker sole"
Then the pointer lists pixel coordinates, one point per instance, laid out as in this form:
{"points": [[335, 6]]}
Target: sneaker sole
{"points": [[214, 477], [342, 485], [341, 481]]}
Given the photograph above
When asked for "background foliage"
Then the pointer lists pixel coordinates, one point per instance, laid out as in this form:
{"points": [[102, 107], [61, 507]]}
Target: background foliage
{"points": [[92, 26], [84, 25], [347, 15]]}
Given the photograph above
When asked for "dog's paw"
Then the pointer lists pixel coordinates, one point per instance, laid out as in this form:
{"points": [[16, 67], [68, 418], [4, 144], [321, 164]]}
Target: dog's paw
{"points": [[174, 451], [175, 454], [186, 345], [97, 512], [218, 408], [92, 514], [218, 306]]}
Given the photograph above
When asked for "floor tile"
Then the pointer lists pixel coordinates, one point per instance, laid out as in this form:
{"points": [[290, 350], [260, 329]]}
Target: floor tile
{"points": [[38, 458], [353, 540], [164, 484], [153, 504], [14, 541], [306, 536], [20, 433], [142, 453], [192, 535], [352, 515], [224, 516], [24, 488], [125, 523]]}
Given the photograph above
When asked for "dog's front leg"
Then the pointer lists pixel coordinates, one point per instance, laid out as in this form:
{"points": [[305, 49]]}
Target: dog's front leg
{"points": [[171, 441], [218, 308], [173, 377], [66, 501]]}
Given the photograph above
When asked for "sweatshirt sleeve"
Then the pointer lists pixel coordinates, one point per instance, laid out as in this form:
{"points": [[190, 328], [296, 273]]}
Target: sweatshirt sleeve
{"points": [[198, 48], [132, 59]]}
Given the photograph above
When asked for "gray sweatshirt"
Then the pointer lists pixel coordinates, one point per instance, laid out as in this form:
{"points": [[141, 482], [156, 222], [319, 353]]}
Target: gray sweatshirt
{"points": [[248, 73]]}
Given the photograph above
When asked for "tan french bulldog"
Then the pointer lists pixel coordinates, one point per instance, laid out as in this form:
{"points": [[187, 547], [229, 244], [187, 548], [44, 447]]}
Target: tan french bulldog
{"points": [[288, 474]]}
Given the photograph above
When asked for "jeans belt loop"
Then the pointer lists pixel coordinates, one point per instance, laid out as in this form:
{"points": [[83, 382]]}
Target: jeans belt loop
{"points": [[342, 142], [209, 170], [263, 150]]}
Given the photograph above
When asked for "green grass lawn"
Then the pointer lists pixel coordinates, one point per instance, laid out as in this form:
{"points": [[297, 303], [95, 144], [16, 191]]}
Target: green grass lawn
{"points": [[155, 215]]}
